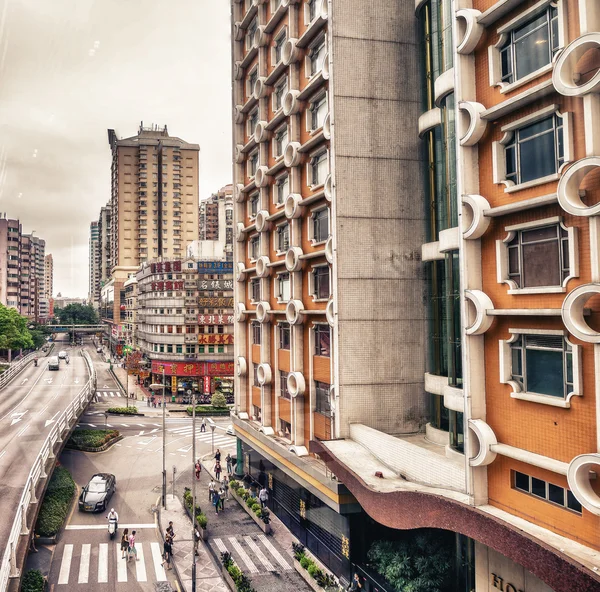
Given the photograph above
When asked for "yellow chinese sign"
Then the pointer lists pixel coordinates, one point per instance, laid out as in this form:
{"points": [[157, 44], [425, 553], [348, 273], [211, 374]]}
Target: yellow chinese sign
{"points": [[302, 509], [174, 384], [345, 547], [211, 339]]}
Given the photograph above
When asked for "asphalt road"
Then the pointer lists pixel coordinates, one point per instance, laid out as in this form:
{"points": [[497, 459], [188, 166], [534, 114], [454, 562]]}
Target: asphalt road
{"points": [[29, 406]]}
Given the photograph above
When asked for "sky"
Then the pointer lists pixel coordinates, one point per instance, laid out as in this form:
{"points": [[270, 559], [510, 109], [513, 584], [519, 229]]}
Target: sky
{"points": [[71, 69]]}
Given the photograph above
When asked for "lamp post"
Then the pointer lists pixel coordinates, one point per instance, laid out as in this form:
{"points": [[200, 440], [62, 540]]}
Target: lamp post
{"points": [[213, 427], [189, 392], [155, 387]]}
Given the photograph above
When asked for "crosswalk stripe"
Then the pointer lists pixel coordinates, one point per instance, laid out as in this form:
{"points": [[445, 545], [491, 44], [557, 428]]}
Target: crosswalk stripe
{"points": [[103, 563], [140, 566], [92, 425], [84, 564], [121, 565], [65, 566], [141, 433], [159, 570], [249, 563], [258, 552], [125, 425], [112, 394], [154, 430], [221, 545], [278, 557], [118, 394]]}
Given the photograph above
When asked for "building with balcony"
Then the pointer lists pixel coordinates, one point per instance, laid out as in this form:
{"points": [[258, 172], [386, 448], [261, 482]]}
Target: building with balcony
{"points": [[216, 219], [130, 288], [48, 275], [94, 265], [415, 296], [185, 324]]}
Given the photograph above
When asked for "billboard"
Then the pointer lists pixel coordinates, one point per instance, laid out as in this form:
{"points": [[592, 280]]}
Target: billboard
{"points": [[193, 368], [215, 339], [210, 302], [215, 285], [168, 285], [166, 267], [215, 267], [205, 319]]}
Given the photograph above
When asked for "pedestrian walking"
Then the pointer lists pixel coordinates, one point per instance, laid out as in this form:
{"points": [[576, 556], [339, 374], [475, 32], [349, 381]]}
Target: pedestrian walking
{"points": [[216, 501], [197, 537], [171, 531], [203, 425], [132, 550], [263, 497], [229, 462], [167, 550], [218, 470], [218, 455], [197, 470], [154, 402], [226, 486], [124, 543], [211, 489], [355, 584], [222, 498]]}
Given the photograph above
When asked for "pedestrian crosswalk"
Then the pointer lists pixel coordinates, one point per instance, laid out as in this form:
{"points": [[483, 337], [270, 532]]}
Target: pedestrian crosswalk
{"points": [[220, 438], [252, 554], [90, 564], [108, 394]]}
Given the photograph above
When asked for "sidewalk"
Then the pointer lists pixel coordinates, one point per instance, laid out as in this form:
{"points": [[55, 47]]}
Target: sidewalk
{"points": [[208, 575]]}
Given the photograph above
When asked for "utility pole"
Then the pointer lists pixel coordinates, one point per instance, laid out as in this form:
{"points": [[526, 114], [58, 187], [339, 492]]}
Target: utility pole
{"points": [[193, 490], [155, 387]]}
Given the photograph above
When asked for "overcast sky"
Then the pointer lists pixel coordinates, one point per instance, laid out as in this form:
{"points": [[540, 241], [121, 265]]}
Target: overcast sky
{"points": [[71, 69]]}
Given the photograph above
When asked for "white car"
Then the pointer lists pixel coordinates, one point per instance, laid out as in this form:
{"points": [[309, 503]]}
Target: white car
{"points": [[229, 430], [62, 354]]}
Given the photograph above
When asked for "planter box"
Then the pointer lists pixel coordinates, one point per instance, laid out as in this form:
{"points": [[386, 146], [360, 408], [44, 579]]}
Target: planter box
{"points": [[203, 531], [228, 579], [100, 449], [210, 413], [310, 580], [125, 414], [266, 528]]}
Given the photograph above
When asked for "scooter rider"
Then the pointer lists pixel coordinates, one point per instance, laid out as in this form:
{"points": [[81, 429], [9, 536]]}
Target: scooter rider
{"points": [[113, 516], [35, 362]]}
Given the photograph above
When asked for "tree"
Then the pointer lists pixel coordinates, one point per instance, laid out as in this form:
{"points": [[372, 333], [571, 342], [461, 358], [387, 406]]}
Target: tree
{"points": [[421, 561], [14, 333], [133, 365], [218, 400], [77, 314], [39, 334]]}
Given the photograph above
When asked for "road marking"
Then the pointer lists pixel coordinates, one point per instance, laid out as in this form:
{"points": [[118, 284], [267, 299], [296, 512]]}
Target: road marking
{"points": [[121, 565], [23, 430], [108, 425], [51, 420], [258, 552], [103, 526], [2, 453], [65, 566], [154, 430], [84, 564], [125, 425], [24, 381], [103, 563], [185, 449], [249, 563], [159, 570], [17, 417], [220, 545], [140, 566], [155, 424], [118, 394], [141, 433], [280, 559], [92, 425], [112, 394]]}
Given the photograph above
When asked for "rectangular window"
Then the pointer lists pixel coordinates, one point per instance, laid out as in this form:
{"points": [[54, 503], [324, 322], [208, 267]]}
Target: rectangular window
{"points": [[283, 287], [283, 389], [281, 189], [316, 57], [322, 340], [252, 121], [280, 141], [285, 428], [255, 381], [278, 93], [284, 335], [311, 11], [530, 46], [543, 364], [321, 282], [252, 164], [278, 47], [535, 151], [539, 257], [250, 33], [555, 494], [256, 336], [317, 112], [322, 402], [283, 238], [319, 168], [252, 78], [253, 247], [320, 225], [255, 290], [253, 205]]}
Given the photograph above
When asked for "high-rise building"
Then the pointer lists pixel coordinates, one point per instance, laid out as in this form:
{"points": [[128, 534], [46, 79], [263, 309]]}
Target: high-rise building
{"points": [[153, 205], [216, 219], [37, 279], [94, 265], [104, 234], [416, 303], [10, 263], [48, 275]]}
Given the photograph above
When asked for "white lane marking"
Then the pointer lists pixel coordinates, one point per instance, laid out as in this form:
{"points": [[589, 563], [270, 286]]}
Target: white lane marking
{"points": [[140, 566], [92, 425], [278, 557], [108, 425], [245, 558], [103, 526], [23, 430], [118, 394], [84, 564], [2, 453], [103, 563], [141, 433], [258, 553], [121, 565], [125, 425], [112, 394], [221, 545], [65, 566], [155, 424], [185, 449], [142, 425], [154, 430], [159, 570]]}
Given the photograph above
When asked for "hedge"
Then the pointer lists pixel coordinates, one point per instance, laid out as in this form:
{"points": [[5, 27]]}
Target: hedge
{"points": [[91, 438], [55, 507], [208, 410], [242, 582], [200, 516], [33, 581], [324, 580], [123, 410]]}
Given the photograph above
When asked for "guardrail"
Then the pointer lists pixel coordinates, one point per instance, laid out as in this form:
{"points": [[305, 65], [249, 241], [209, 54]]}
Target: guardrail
{"points": [[17, 366], [8, 567]]}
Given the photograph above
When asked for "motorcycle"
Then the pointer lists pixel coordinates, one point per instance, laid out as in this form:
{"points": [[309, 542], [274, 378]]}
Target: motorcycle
{"points": [[35, 362], [112, 527]]}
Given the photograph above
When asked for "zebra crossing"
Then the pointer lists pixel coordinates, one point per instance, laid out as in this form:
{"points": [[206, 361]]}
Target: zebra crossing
{"points": [[220, 439], [108, 394], [252, 554], [91, 564]]}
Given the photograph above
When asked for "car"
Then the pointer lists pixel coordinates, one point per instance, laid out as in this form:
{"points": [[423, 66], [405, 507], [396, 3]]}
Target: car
{"points": [[96, 494], [62, 354], [99, 350], [229, 430]]}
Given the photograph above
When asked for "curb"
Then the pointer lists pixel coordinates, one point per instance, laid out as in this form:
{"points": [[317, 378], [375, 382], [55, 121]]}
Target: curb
{"points": [[125, 414], [100, 449], [178, 580]]}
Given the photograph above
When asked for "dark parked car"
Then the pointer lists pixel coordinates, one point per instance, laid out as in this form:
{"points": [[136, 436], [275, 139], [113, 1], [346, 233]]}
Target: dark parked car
{"points": [[96, 494]]}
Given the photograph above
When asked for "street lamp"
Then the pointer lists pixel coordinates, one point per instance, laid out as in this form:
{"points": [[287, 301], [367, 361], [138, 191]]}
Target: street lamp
{"points": [[189, 392], [155, 387], [213, 427]]}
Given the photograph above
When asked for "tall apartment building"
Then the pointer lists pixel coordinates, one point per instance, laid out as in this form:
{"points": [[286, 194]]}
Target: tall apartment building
{"points": [[154, 204], [48, 275], [94, 265], [216, 219], [384, 162], [10, 263], [104, 234]]}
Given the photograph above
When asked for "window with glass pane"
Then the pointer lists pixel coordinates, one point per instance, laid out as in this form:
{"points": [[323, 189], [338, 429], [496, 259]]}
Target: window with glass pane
{"points": [[283, 286], [311, 6], [255, 290], [284, 335], [317, 112], [254, 243], [321, 282], [320, 221], [319, 167], [322, 401], [279, 42], [255, 381], [283, 388], [278, 94], [281, 189], [250, 33], [535, 151], [539, 257], [253, 164], [252, 78], [283, 238], [256, 334], [546, 491], [281, 140], [322, 340], [317, 57], [530, 46], [522, 482], [543, 364], [253, 205], [252, 121]]}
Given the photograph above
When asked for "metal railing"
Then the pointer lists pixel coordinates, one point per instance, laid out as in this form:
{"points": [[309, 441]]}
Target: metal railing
{"points": [[8, 567], [16, 367]]}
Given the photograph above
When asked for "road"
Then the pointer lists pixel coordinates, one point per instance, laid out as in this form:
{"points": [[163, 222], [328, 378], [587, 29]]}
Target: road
{"points": [[28, 408]]}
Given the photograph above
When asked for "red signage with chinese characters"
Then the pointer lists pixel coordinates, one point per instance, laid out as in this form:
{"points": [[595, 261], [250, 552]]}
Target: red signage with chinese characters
{"points": [[211, 339], [207, 385], [218, 368], [166, 267], [205, 319], [168, 285], [193, 368]]}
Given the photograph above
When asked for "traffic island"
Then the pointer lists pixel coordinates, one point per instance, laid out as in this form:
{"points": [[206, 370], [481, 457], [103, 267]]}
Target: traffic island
{"points": [[124, 411], [93, 440]]}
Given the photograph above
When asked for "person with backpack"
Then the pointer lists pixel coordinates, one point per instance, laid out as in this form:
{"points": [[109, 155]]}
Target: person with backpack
{"points": [[198, 470], [263, 497], [124, 543], [211, 489], [167, 550]]}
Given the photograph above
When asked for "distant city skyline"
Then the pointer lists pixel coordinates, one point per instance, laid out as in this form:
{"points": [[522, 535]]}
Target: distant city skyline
{"points": [[69, 72]]}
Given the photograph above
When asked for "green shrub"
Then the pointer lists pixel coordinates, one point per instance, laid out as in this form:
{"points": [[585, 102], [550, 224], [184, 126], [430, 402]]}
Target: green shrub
{"points": [[233, 484], [257, 511], [219, 401], [245, 494], [298, 550], [314, 571], [305, 562], [123, 410], [33, 581], [202, 520], [56, 503], [250, 501], [209, 410], [240, 491], [91, 438]]}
